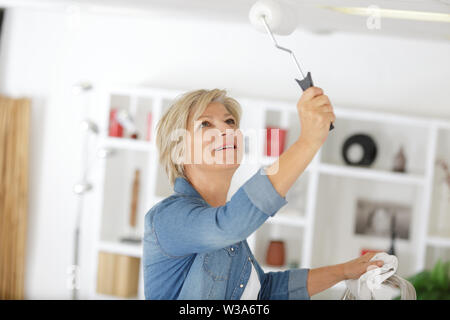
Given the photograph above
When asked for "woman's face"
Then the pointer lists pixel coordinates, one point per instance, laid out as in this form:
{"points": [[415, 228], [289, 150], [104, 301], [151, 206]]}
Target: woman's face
{"points": [[215, 142]]}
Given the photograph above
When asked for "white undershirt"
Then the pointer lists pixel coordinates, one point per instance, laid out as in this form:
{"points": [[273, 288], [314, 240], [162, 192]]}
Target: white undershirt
{"points": [[252, 288]]}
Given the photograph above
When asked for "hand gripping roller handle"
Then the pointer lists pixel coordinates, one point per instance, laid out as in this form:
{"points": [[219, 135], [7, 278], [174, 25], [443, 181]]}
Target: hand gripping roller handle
{"points": [[259, 13]]}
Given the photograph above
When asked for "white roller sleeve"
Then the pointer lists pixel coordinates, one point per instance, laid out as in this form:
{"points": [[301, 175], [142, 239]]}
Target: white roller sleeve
{"points": [[281, 17]]}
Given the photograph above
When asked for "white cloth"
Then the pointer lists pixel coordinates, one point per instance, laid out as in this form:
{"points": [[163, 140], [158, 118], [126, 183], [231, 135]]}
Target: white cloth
{"points": [[369, 286], [253, 286]]}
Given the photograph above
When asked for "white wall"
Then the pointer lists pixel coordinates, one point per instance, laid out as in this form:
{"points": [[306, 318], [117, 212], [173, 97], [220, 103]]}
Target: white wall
{"points": [[45, 52]]}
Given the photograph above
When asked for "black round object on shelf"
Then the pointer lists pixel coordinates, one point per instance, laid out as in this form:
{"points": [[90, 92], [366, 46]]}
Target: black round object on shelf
{"points": [[359, 150]]}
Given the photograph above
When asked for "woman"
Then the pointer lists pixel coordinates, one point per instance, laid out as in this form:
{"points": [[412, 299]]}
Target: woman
{"points": [[195, 241]]}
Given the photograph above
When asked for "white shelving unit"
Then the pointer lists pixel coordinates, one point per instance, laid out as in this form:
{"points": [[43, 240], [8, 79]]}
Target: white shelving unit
{"points": [[321, 201]]}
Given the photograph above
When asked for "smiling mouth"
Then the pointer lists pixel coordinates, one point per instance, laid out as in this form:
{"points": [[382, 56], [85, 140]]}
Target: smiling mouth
{"points": [[226, 147]]}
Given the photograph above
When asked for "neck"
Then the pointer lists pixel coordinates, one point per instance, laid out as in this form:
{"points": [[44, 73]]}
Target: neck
{"points": [[212, 185]]}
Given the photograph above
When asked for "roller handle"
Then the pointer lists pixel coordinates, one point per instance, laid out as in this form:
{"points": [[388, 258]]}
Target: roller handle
{"points": [[307, 83]]}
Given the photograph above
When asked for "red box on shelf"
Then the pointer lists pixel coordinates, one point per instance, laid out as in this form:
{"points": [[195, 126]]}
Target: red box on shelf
{"points": [[275, 141], [115, 129]]}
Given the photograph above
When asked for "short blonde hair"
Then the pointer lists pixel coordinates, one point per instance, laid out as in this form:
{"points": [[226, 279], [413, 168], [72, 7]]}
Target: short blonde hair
{"points": [[176, 118]]}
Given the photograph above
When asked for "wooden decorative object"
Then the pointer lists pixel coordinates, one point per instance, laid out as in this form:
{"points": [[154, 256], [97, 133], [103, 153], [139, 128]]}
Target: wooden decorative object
{"points": [[400, 161], [276, 253], [14, 142], [118, 275], [134, 198], [132, 236]]}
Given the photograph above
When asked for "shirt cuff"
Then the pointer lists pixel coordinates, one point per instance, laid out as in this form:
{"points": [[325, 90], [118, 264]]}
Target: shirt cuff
{"points": [[297, 284], [262, 194]]}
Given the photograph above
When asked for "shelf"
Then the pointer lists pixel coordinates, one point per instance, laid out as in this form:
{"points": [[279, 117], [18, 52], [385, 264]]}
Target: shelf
{"points": [[120, 171], [371, 174], [127, 144], [388, 139], [323, 196], [132, 250], [382, 117], [438, 241], [342, 225], [290, 234]]}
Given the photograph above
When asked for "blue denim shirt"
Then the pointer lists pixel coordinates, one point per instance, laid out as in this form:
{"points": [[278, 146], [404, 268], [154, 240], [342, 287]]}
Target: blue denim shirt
{"points": [[192, 250]]}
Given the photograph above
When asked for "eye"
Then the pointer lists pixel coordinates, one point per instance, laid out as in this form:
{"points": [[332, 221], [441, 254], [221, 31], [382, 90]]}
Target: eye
{"points": [[204, 124], [230, 121]]}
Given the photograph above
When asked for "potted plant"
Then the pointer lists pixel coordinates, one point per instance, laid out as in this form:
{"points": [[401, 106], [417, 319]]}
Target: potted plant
{"points": [[433, 284]]}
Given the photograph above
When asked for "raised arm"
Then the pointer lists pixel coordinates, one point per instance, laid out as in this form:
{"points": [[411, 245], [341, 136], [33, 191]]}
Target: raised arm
{"points": [[315, 113]]}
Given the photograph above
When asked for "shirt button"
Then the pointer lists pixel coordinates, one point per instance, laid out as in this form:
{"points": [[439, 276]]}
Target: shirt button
{"points": [[241, 285], [232, 249], [249, 259]]}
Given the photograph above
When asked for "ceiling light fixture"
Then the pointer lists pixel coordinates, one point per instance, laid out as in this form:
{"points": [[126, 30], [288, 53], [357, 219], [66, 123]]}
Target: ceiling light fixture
{"points": [[392, 13]]}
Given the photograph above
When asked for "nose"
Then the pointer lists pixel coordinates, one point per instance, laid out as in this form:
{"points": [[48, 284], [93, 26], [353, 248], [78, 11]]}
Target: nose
{"points": [[224, 130], [227, 135]]}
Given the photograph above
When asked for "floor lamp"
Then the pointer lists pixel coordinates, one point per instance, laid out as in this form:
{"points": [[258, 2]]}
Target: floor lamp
{"points": [[88, 129]]}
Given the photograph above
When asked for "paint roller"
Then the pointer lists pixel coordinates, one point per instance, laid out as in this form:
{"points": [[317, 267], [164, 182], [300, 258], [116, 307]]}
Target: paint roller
{"points": [[271, 16]]}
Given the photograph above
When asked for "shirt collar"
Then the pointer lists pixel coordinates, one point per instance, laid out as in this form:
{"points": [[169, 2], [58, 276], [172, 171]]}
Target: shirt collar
{"points": [[184, 187]]}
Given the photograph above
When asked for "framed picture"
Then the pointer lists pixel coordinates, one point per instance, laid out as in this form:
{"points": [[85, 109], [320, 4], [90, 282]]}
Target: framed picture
{"points": [[380, 219]]}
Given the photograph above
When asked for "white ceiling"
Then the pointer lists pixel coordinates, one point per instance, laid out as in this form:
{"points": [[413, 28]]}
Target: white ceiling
{"points": [[311, 16]]}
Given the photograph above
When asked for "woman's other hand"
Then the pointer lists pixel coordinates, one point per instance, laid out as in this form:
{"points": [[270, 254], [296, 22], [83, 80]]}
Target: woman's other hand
{"points": [[357, 267]]}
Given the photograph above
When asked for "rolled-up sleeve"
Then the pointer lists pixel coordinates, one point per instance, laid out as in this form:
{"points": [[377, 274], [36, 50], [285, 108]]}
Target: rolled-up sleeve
{"points": [[297, 288], [263, 195], [188, 225], [285, 285]]}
